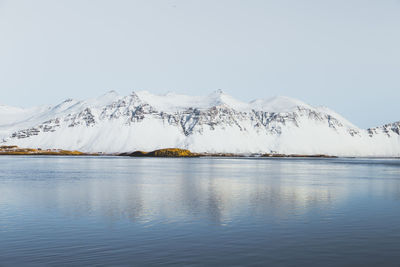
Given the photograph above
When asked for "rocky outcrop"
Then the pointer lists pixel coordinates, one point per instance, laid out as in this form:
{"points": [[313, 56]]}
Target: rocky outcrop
{"points": [[163, 153]]}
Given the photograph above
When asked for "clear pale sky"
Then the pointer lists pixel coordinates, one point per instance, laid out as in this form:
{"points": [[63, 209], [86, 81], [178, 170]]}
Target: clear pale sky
{"points": [[344, 54]]}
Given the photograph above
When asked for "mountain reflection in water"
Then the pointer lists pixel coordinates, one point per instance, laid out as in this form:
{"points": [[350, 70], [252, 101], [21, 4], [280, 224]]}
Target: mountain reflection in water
{"points": [[182, 189], [124, 211]]}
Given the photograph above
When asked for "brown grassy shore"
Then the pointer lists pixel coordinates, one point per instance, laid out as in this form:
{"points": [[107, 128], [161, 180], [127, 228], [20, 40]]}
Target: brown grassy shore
{"points": [[163, 153], [15, 150], [184, 153], [159, 153], [296, 156]]}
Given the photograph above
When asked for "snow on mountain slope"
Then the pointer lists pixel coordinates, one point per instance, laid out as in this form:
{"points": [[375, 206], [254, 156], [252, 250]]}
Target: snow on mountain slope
{"points": [[173, 102], [13, 119], [213, 123], [11, 115], [278, 104], [332, 113]]}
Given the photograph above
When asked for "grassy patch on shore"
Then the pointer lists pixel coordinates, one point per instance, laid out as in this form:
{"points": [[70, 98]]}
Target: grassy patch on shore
{"points": [[15, 150]]}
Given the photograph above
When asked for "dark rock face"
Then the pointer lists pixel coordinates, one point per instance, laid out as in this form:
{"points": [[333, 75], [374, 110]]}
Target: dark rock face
{"points": [[388, 129], [85, 117]]}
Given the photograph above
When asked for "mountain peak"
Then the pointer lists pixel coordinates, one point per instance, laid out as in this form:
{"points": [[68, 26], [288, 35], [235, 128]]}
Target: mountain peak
{"points": [[279, 104], [111, 93], [218, 93], [103, 100]]}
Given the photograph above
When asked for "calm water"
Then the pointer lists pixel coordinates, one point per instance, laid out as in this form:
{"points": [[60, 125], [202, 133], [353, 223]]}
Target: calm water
{"points": [[132, 211]]}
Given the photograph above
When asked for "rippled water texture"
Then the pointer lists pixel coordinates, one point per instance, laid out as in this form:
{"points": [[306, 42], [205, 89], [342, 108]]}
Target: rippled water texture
{"points": [[131, 211]]}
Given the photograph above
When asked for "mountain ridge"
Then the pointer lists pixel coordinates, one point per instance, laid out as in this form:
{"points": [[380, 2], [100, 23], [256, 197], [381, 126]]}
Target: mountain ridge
{"points": [[215, 123]]}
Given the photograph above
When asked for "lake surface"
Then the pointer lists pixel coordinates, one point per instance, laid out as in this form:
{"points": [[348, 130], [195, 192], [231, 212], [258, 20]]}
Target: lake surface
{"points": [[201, 211]]}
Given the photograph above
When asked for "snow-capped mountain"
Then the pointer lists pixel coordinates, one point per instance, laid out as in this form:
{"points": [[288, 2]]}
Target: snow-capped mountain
{"points": [[213, 123]]}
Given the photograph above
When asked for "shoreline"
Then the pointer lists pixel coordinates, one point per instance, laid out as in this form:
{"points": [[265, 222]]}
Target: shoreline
{"points": [[163, 153], [17, 151]]}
